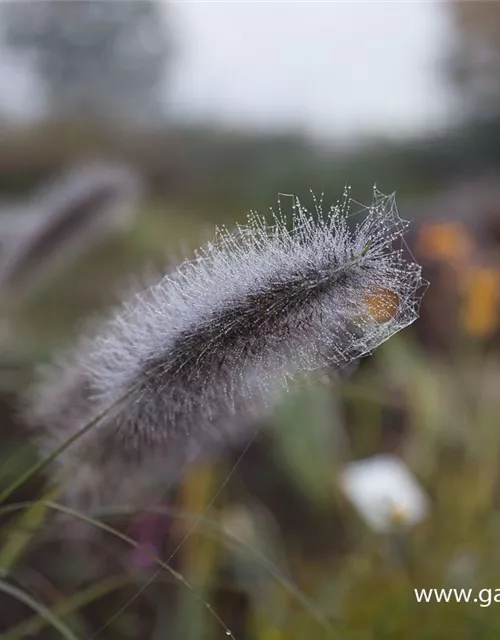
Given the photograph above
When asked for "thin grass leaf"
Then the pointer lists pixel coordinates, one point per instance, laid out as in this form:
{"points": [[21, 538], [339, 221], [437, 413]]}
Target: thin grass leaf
{"points": [[40, 608], [24, 529], [208, 526], [52, 455], [175, 574], [83, 598]]}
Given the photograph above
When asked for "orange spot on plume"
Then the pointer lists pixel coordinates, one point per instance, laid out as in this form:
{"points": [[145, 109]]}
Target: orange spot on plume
{"points": [[383, 305]]}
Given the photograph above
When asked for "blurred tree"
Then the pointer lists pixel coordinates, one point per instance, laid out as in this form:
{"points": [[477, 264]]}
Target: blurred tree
{"points": [[100, 59], [474, 60]]}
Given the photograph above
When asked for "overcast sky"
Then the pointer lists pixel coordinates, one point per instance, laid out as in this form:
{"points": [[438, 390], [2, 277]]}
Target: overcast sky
{"points": [[335, 67], [330, 68]]}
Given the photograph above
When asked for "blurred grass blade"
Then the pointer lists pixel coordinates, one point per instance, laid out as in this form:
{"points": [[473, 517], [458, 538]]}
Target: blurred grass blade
{"points": [[24, 527], [175, 574], [40, 608], [35, 624], [209, 527], [44, 462]]}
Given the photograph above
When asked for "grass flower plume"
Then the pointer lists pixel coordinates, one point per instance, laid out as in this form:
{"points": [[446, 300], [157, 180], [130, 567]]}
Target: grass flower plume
{"points": [[196, 357], [63, 220]]}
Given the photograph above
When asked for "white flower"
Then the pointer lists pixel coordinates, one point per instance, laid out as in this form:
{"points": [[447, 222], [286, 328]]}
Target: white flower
{"points": [[385, 492]]}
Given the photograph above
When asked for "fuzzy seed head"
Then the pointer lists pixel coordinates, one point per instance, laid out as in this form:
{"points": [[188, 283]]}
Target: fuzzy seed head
{"points": [[192, 360]]}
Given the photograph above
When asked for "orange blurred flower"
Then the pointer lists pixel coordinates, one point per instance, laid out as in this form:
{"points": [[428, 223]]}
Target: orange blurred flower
{"points": [[448, 241], [480, 304]]}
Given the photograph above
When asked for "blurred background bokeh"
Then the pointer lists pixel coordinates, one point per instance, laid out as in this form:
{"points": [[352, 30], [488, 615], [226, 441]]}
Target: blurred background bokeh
{"points": [[128, 130]]}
